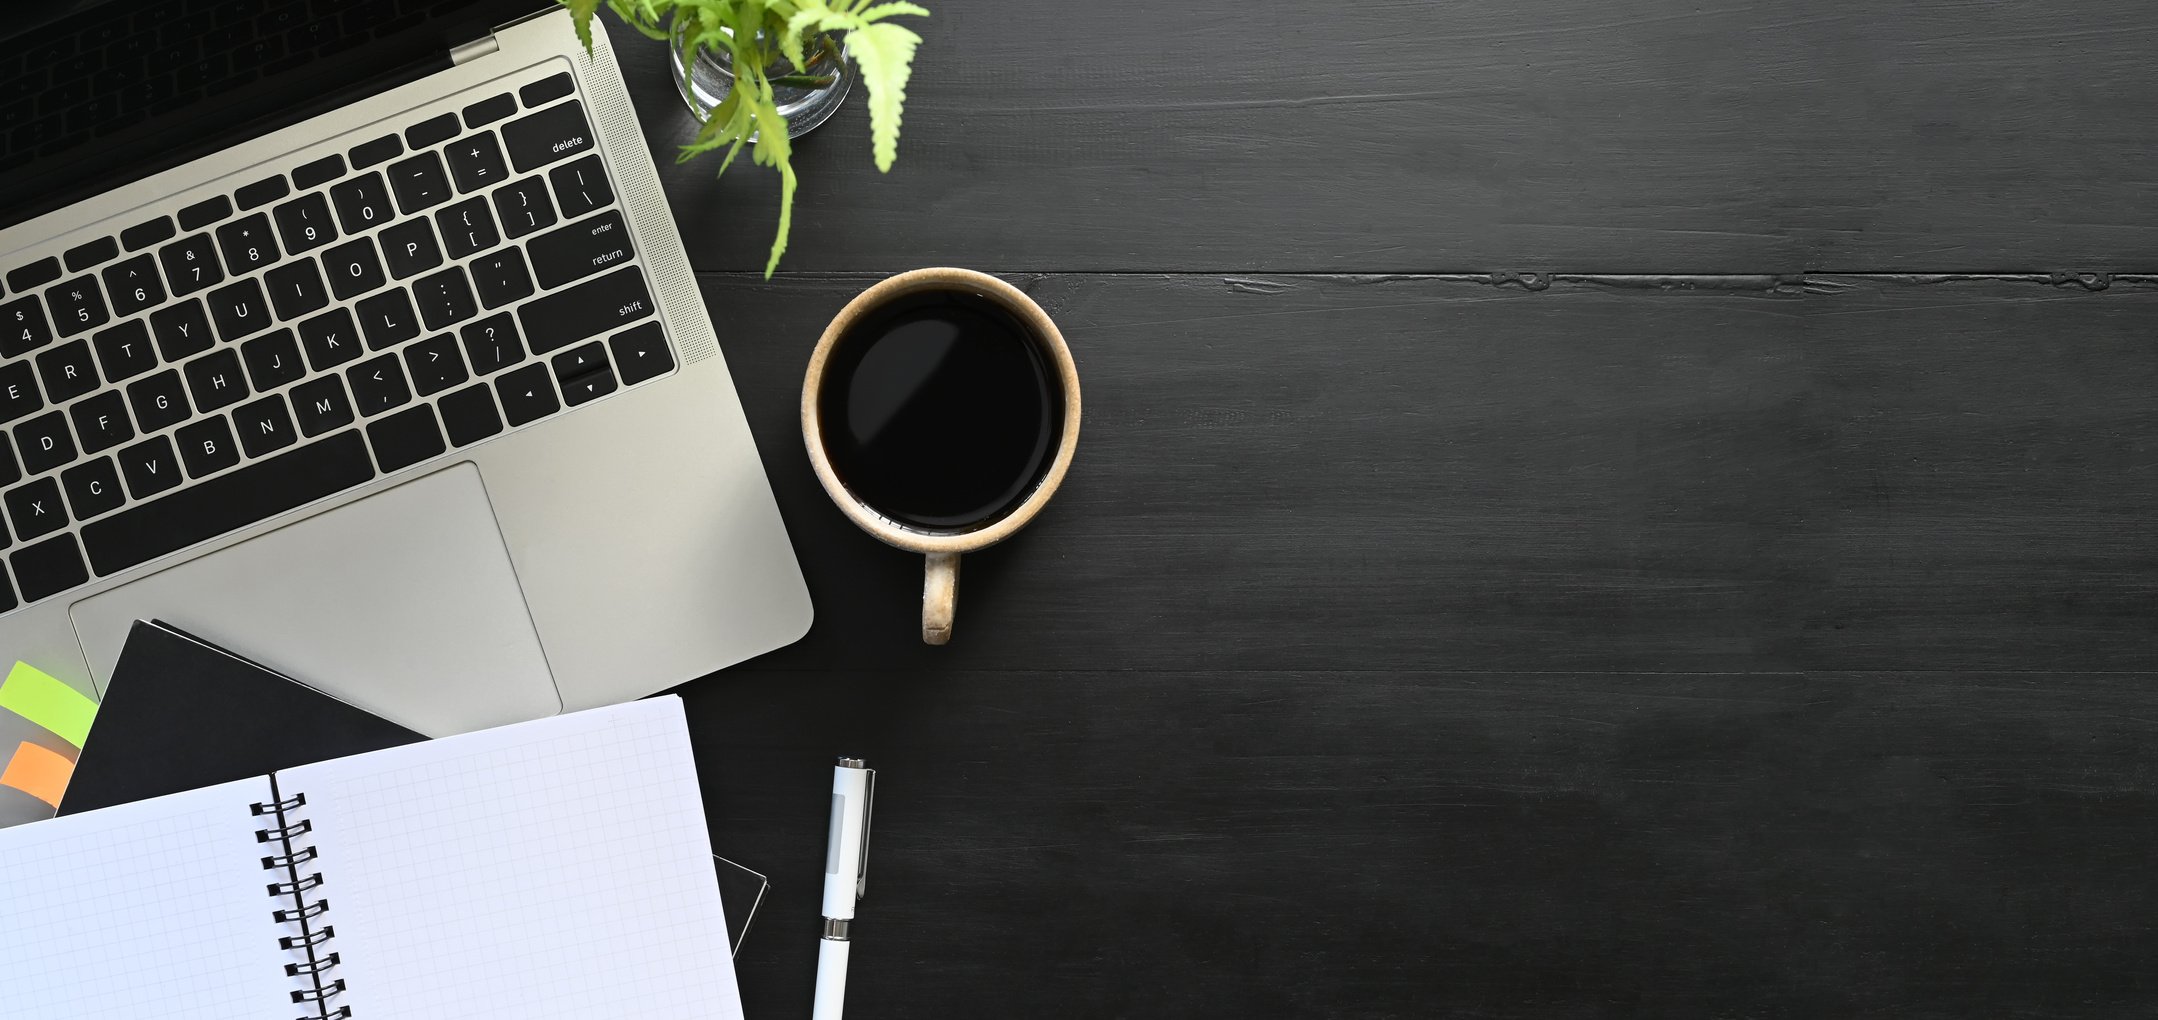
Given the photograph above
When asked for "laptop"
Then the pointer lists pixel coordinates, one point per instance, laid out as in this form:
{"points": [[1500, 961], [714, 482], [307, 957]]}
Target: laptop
{"points": [[358, 336]]}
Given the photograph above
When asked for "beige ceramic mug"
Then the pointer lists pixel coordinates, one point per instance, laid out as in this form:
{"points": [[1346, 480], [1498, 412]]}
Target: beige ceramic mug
{"points": [[940, 582]]}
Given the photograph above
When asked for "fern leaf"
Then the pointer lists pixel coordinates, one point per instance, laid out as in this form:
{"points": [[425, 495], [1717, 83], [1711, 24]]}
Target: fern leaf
{"points": [[885, 53], [580, 13], [886, 10]]}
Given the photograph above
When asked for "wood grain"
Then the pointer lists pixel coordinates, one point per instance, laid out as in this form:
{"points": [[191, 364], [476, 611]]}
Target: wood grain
{"points": [[1356, 472], [1415, 844], [1743, 136]]}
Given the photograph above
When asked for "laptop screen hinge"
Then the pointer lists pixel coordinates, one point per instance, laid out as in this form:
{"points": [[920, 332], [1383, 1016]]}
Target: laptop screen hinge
{"points": [[474, 50]]}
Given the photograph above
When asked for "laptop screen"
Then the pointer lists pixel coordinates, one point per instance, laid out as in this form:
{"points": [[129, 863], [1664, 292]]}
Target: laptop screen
{"points": [[97, 93]]}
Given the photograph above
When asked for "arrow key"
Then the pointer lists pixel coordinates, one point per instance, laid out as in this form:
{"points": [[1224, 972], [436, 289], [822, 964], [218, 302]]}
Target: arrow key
{"points": [[641, 353], [527, 394]]}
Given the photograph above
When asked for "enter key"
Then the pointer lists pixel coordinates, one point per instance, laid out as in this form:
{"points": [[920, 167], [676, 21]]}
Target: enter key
{"points": [[579, 250]]}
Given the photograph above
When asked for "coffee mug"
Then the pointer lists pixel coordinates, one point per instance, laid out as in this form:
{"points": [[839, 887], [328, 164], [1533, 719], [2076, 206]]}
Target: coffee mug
{"points": [[941, 410]]}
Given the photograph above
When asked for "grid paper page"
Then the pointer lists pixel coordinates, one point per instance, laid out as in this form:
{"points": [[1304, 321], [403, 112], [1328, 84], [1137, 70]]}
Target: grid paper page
{"points": [[157, 908], [557, 868]]}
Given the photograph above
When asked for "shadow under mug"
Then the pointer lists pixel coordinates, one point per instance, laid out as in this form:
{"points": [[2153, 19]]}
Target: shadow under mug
{"points": [[940, 578]]}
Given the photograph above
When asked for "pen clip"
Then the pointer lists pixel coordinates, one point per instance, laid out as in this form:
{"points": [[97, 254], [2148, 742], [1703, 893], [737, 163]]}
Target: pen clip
{"points": [[869, 814]]}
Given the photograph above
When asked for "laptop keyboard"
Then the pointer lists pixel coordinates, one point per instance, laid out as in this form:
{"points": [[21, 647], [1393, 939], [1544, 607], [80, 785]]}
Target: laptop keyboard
{"points": [[355, 314]]}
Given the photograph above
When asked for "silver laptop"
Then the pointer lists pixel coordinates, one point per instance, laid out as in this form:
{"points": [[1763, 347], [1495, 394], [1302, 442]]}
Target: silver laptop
{"points": [[357, 337]]}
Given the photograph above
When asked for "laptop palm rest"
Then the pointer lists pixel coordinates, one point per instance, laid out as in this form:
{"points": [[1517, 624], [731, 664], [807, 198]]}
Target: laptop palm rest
{"points": [[404, 603]]}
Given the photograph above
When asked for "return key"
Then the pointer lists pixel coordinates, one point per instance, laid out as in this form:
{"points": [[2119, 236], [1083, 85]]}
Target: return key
{"points": [[579, 250]]}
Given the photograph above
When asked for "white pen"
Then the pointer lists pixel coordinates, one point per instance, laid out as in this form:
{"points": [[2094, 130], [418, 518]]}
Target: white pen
{"points": [[846, 879]]}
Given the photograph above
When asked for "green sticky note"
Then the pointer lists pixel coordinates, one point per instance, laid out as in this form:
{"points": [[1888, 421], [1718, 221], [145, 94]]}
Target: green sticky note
{"points": [[32, 693]]}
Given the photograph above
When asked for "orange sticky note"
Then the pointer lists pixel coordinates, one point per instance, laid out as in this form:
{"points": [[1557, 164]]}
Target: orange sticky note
{"points": [[39, 772]]}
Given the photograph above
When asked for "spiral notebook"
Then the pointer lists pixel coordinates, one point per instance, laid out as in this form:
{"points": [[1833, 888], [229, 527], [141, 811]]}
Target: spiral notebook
{"points": [[556, 868]]}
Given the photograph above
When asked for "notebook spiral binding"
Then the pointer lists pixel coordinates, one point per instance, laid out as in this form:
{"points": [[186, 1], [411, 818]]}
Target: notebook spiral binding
{"points": [[305, 913]]}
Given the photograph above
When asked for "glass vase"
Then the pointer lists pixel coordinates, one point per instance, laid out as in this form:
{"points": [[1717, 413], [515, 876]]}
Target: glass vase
{"points": [[806, 98]]}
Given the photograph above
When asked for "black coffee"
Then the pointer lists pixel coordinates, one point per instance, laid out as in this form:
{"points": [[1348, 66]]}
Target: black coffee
{"points": [[939, 411]]}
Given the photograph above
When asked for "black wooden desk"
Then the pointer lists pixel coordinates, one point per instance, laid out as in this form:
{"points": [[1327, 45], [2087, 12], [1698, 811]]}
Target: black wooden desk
{"points": [[1584, 510]]}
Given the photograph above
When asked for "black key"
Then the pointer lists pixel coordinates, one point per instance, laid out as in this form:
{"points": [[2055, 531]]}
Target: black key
{"points": [[92, 488], [588, 309], [579, 360], [589, 386], [134, 285], [353, 268], [23, 278], [247, 244], [182, 331], [83, 256], [387, 319], [491, 344], [67, 371], [124, 352], [579, 250], [555, 133], [524, 207], [487, 111], [469, 415], [261, 490], [330, 339], [321, 405], [191, 264], [23, 327], [378, 384], [159, 401], [77, 305], [296, 288], [44, 443], [362, 203], [207, 447], [264, 426], [262, 192], [419, 182], [150, 467], [205, 212], [500, 277], [48, 568], [546, 89], [434, 364], [143, 235], [273, 360], [18, 391], [581, 187], [304, 223], [527, 394], [641, 353], [315, 173], [35, 509], [214, 380], [444, 298], [10, 472], [466, 227], [101, 422], [431, 130], [367, 154], [410, 248], [405, 438], [476, 162], [239, 310]]}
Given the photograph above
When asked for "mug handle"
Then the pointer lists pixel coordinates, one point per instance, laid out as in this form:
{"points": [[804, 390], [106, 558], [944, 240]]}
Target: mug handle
{"points": [[940, 597]]}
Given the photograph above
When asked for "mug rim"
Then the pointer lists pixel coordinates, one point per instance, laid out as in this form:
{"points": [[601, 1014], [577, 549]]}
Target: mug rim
{"points": [[1044, 332]]}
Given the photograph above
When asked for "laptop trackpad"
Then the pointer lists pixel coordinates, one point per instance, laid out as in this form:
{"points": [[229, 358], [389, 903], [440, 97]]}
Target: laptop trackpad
{"points": [[403, 603]]}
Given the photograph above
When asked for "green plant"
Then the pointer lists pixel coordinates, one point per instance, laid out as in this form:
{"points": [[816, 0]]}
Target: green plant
{"points": [[757, 34]]}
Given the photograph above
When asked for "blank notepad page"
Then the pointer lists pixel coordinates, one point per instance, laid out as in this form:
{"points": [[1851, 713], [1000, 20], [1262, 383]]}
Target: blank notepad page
{"points": [[154, 909], [557, 868]]}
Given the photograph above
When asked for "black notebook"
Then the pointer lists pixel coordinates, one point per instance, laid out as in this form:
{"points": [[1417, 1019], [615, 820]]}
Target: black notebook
{"points": [[559, 867], [181, 713]]}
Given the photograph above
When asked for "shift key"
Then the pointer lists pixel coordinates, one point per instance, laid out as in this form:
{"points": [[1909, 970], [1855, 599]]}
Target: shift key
{"points": [[579, 250], [557, 132], [598, 305]]}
